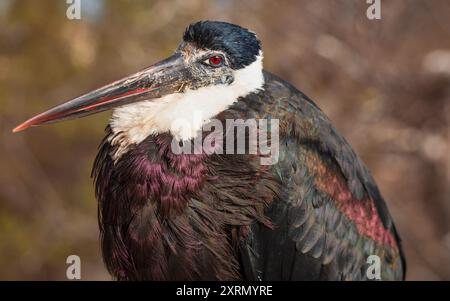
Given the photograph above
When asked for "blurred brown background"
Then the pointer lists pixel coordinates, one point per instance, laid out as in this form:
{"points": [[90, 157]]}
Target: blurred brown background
{"points": [[384, 83]]}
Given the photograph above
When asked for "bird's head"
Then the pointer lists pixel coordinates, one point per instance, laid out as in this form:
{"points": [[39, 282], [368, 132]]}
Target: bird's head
{"points": [[215, 64]]}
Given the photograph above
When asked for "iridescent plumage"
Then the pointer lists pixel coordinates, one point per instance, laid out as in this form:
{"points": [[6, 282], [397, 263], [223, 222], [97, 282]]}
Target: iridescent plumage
{"points": [[316, 214]]}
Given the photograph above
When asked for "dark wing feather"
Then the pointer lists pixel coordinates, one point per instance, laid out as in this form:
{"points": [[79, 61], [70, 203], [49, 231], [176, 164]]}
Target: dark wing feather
{"points": [[330, 216]]}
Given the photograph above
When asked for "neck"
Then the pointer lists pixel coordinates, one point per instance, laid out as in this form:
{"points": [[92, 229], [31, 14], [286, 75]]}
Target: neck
{"points": [[181, 114]]}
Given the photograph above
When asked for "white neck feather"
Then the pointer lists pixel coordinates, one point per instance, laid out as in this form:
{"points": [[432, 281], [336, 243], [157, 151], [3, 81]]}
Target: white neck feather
{"points": [[181, 114]]}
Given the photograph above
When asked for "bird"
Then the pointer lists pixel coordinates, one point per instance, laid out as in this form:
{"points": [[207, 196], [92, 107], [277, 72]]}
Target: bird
{"points": [[315, 213]]}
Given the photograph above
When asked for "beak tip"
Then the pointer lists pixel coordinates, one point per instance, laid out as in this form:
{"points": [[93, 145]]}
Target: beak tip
{"points": [[20, 128], [16, 130]]}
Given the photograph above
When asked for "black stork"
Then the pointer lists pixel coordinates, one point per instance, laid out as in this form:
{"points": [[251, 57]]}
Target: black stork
{"points": [[316, 214]]}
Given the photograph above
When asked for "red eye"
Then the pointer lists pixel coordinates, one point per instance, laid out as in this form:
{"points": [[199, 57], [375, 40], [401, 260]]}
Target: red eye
{"points": [[215, 61]]}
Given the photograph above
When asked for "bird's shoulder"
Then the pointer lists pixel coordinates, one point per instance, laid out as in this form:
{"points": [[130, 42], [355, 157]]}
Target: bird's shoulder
{"points": [[331, 207]]}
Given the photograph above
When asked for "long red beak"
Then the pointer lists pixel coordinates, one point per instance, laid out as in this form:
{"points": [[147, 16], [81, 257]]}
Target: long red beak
{"points": [[165, 77]]}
